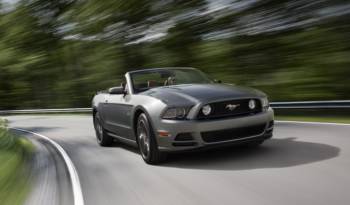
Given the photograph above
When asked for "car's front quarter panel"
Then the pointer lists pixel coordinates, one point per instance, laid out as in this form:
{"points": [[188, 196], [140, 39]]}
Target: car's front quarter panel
{"points": [[152, 107]]}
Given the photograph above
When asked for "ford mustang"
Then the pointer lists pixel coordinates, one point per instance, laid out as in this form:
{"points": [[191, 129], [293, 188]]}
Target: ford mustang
{"points": [[165, 110]]}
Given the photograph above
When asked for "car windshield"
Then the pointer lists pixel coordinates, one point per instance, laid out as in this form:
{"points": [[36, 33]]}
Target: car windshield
{"points": [[147, 79]]}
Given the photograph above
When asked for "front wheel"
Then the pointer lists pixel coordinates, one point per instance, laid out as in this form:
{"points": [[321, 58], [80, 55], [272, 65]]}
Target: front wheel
{"points": [[147, 142], [102, 137]]}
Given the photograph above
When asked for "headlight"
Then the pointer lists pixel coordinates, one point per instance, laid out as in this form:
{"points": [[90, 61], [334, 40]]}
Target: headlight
{"points": [[265, 103], [175, 113], [206, 110]]}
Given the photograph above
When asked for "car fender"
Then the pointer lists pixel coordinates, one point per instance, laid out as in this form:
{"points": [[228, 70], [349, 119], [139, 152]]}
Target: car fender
{"points": [[152, 108]]}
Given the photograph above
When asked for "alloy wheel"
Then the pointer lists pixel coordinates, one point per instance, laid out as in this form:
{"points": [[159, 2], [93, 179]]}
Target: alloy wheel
{"points": [[143, 139], [99, 130]]}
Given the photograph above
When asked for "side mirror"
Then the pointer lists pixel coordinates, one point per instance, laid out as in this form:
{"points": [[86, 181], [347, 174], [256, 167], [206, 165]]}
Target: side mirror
{"points": [[217, 81], [116, 91]]}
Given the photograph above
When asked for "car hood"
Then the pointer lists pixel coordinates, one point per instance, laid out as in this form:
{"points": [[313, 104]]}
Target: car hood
{"points": [[200, 93]]}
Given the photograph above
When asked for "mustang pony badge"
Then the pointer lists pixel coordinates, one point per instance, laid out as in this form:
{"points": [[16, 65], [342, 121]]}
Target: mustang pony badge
{"points": [[232, 107]]}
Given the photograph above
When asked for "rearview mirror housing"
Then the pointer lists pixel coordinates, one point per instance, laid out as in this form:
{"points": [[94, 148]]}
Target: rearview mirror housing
{"points": [[116, 91]]}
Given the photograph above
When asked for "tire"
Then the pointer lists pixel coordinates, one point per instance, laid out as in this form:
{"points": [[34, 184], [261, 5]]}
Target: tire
{"points": [[147, 142], [103, 139]]}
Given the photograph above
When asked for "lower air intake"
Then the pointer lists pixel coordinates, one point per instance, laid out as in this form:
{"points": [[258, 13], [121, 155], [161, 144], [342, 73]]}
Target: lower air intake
{"points": [[233, 134]]}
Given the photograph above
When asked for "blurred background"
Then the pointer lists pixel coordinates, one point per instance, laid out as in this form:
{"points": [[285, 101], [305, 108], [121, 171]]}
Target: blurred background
{"points": [[58, 53]]}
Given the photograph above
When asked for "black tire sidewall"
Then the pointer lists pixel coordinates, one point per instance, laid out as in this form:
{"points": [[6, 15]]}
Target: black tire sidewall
{"points": [[154, 156], [105, 139], [144, 118], [97, 121]]}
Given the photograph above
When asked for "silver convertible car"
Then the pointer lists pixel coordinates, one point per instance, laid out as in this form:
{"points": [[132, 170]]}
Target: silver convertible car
{"points": [[167, 110]]}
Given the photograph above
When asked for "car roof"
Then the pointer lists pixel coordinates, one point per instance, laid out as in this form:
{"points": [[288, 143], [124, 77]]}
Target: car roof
{"points": [[157, 69]]}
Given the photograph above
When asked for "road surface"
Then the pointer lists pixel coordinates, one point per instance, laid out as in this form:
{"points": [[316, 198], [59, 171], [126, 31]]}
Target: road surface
{"points": [[302, 164]]}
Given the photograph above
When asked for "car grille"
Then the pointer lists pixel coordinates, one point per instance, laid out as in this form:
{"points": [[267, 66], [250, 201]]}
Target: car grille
{"points": [[220, 110], [233, 134]]}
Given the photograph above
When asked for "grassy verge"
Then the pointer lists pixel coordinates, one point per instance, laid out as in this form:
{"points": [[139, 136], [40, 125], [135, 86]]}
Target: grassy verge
{"points": [[14, 173], [330, 119]]}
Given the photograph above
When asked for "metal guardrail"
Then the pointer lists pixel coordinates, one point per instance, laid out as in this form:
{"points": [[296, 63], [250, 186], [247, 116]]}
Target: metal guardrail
{"points": [[335, 104], [44, 111]]}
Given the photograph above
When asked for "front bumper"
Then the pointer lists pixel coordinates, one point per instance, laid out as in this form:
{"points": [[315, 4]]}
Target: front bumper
{"points": [[195, 129]]}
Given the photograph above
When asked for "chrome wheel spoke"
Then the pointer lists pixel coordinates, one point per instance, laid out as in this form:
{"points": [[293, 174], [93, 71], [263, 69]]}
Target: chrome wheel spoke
{"points": [[143, 140]]}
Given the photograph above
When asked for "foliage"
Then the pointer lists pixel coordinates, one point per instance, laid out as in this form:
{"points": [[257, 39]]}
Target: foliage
{"points": [[58, 53], [13, 168]]}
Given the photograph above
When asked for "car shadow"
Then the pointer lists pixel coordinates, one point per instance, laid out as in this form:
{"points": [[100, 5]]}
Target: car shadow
{"points": [[130, 148], [274, 153]]}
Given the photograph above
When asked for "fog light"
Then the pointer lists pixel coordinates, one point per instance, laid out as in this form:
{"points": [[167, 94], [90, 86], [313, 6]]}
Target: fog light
{"points": [[252, 104], [206, 110]]}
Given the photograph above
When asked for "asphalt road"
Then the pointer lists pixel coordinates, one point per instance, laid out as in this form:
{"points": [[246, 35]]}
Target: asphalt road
{"points": [[302, 164]]}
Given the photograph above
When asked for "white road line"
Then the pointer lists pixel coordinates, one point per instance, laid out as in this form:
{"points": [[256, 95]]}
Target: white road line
{"points": [[312, 123], [73, 174]]}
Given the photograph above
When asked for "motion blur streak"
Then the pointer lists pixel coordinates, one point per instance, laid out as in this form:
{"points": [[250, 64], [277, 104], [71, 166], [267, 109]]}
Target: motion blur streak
{"points": [[73, 175], [303, 164], [58, 53]]}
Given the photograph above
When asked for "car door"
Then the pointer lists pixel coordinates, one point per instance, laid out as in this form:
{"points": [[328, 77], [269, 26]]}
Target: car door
{"points": [[118, 115]]}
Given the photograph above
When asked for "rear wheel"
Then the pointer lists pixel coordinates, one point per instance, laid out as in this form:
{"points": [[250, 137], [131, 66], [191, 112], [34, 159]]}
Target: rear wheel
{"points": [[147, 142], [102, 137]]}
